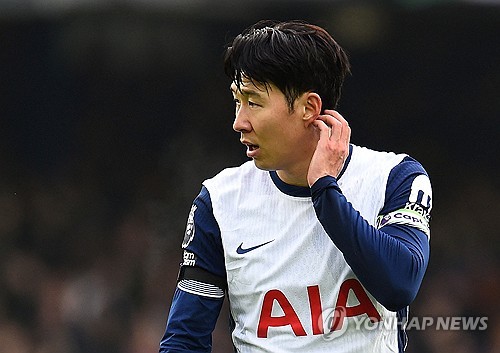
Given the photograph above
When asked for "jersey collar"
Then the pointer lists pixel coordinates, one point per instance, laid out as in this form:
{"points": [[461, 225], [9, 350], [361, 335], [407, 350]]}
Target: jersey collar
{"points": [[302, 191]]}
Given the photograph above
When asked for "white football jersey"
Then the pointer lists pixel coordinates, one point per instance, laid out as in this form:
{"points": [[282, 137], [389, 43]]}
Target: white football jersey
{"points": [[290, 289]]}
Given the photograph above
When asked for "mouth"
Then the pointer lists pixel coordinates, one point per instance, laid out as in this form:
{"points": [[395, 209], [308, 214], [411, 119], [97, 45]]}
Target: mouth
{"points": [[252, 149]]}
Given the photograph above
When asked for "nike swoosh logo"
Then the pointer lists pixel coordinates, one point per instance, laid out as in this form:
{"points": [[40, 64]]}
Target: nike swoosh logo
{"points": [[241, 250]]}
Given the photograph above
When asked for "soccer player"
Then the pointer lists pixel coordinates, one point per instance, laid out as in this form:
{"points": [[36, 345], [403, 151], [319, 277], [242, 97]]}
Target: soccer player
{"points": [[320, 245]]}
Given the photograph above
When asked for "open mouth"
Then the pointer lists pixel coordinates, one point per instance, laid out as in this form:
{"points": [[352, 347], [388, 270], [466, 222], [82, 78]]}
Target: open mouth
{"points": [[252, 149]]}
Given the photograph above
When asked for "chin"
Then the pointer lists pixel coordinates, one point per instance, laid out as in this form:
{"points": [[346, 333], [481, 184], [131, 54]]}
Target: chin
{"points": [[263, 166]]}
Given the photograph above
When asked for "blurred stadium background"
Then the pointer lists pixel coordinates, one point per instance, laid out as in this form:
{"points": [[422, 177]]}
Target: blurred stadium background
{"points": [[113, 112]]}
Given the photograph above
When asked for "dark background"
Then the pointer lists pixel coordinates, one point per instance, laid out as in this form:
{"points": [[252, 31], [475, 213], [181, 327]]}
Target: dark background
{"points": [[113, 113]]}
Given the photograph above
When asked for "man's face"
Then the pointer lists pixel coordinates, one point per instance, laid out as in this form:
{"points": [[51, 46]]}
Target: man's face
{"points": [[274, 135]]}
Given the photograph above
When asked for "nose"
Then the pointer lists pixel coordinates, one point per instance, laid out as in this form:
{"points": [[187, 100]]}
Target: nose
{"points": [[241, 122]]}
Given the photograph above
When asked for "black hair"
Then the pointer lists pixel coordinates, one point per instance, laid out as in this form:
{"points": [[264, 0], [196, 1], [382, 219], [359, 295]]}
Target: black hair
{"points": [[295, 56]]}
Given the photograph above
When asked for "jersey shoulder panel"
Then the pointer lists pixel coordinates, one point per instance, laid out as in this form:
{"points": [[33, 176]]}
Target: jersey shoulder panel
{"points": [[202, 241], [365, 178], [233, 189], [230, 179], [408, 197]]}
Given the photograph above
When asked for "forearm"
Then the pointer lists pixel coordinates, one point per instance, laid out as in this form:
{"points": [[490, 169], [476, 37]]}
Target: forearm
{"points": [[390, 262]]}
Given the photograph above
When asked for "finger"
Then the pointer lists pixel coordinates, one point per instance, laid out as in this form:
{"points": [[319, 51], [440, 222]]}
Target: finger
{"points": [[324, 129], [336, 128], [348, 135], [346, 129], [334, 125], [337, 116]]}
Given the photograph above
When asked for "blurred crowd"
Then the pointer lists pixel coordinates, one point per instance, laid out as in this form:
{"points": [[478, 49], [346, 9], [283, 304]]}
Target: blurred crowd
{"points": [[77, 277], [101, 160]]}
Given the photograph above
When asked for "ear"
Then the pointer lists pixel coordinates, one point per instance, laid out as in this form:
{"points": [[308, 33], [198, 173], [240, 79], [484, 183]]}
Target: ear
{"points": [[312, 107]]}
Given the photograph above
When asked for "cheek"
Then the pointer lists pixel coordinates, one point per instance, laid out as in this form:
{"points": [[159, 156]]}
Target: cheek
{"points": [[287, 139], [281, 129]]}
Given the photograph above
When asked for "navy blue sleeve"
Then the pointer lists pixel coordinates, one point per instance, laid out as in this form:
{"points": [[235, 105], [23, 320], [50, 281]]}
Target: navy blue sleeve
{"points": [[400, 186], [391, 261], [199, 296], [202, 240], [190, 324]]}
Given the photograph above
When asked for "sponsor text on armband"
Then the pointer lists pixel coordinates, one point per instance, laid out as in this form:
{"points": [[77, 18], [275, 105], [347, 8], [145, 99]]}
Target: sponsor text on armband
{"points": [[412, 215]]}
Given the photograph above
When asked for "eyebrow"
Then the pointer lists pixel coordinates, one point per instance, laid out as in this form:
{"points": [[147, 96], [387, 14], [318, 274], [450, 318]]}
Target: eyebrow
{"points": [[246, 92]]}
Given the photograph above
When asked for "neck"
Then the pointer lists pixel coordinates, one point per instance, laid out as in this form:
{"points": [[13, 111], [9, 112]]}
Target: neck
{"points": [[296, 173], [292, 179]]}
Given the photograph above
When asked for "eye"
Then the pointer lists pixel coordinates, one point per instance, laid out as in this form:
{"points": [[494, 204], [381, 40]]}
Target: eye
{"points": [[236, 101], [253, 104]]}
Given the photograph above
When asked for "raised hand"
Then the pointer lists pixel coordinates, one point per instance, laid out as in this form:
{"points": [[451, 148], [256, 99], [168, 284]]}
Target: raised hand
{"points": [[333, 146]]}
